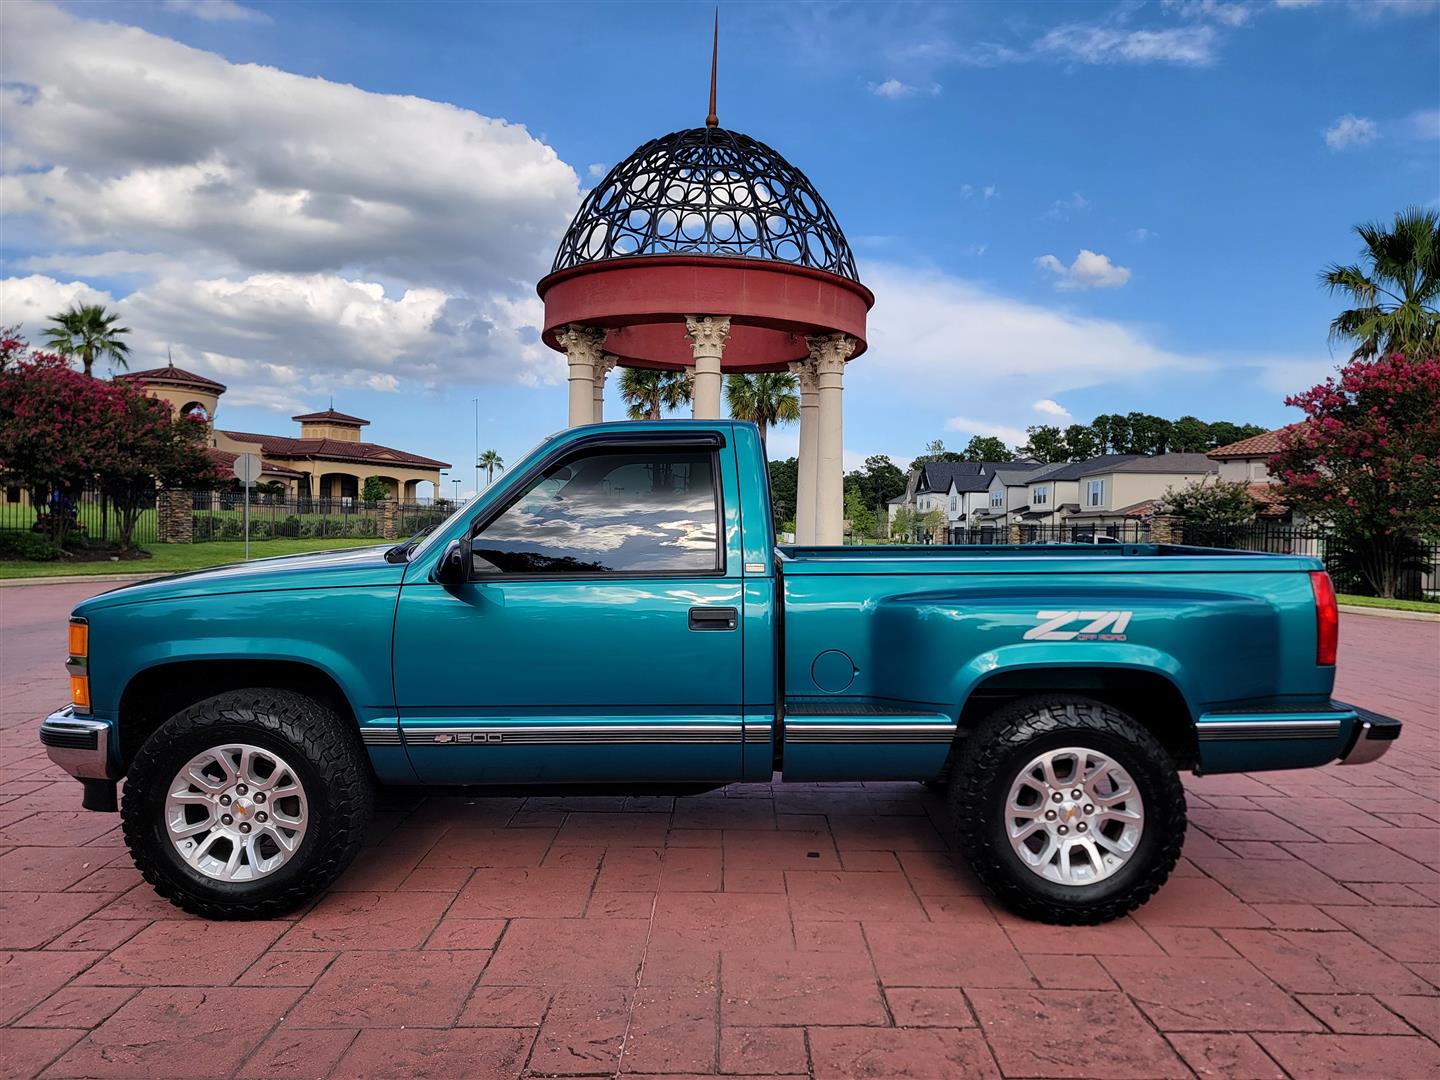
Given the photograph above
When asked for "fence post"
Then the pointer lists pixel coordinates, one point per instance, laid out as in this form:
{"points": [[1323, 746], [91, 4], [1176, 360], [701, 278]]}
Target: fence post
{"points": [[1013, 534], [1167, 529], [389, 518], [174, 523]]}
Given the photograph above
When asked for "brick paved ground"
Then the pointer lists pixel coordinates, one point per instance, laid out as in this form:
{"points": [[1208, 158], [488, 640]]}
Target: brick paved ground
{"points": [[761, 931]]}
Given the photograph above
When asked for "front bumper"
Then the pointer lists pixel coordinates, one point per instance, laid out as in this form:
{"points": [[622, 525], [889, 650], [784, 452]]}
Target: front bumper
{"points": [[78, 745], [1374, 734]]}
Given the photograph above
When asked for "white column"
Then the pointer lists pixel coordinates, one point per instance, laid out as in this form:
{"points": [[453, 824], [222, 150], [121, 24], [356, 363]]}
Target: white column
{"points": [[582, 345], [829, 354], [708, 335], [804, 372], [603, 367]]}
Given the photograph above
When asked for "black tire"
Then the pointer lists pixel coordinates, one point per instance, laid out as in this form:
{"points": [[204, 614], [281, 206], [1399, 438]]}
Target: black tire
{"points": [[994, 755], [329, 762]]}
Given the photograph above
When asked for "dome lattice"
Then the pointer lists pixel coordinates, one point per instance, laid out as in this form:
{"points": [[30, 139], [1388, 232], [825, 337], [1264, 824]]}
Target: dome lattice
{"points": [[707, 191]]}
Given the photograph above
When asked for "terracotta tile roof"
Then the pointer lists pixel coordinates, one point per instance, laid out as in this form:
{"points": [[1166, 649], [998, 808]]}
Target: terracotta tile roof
{"points": [[335, 450], [1255, 446], [1271, 502], [224, 460], [332, 416], [172, 375]]}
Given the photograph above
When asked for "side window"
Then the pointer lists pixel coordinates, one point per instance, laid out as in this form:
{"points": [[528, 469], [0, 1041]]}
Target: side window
{"points": [[631, 510]]}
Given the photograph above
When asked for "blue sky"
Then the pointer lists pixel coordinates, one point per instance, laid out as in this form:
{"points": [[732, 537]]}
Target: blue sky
{"points": [[1063, 208]]}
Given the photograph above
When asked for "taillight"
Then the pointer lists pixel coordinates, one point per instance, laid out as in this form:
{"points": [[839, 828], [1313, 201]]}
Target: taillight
{"points": [[1327, 619], [78, 664]]}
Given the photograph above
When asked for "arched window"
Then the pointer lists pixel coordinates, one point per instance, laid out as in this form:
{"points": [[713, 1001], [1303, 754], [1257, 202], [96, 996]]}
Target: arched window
{"points": [[197, 410]]}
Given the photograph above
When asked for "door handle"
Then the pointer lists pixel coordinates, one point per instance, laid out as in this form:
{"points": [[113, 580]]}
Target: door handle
{"points": [[714, 618]]}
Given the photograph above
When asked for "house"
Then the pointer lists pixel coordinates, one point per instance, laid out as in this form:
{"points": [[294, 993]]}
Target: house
{"points": [[1054, 491], [1008, 493], [328, 460], [1248, 462], [959, 489], [1114, 493]]}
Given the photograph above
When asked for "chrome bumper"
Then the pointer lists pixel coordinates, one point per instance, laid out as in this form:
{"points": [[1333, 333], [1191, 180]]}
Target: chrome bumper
{"points": [[79, 746], [1374, 734]]}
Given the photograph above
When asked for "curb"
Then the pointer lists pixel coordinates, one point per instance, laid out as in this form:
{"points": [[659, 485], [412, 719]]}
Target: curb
{"points": [[73, 579], [1388, 613]]}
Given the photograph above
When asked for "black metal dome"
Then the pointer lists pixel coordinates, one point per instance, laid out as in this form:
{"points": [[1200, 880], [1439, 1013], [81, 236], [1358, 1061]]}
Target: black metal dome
{"points": [[707, 191]]}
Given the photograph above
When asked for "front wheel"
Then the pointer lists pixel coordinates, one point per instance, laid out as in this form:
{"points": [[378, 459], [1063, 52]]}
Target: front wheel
{"points": [[246, 804], [1068, 810]]}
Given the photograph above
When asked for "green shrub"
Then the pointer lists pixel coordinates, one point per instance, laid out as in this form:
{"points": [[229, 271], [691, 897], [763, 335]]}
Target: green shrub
{"points": [[27, 545]]}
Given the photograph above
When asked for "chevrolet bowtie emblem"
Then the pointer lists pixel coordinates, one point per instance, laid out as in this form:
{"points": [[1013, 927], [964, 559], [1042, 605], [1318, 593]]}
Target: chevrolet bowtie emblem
{"points": [[444, 738]]}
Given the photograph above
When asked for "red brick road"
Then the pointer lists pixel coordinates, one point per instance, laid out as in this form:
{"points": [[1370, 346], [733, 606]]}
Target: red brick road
{"points": [[786, 930]]}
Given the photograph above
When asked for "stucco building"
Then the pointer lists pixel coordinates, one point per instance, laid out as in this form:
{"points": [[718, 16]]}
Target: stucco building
{"points": [[326, 460]]}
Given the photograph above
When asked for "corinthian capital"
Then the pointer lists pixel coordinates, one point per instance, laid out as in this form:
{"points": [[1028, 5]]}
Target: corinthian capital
{"points": [[828, 352], [804, 372], [605, 365], [707, 333], [582, 344]]}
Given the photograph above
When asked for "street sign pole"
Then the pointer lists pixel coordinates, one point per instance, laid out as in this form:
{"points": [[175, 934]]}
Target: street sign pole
{"points": [[247, 471]]}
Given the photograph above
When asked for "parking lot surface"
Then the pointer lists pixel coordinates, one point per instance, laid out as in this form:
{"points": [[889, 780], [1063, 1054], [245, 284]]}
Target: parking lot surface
{"points": [[761, 930]]}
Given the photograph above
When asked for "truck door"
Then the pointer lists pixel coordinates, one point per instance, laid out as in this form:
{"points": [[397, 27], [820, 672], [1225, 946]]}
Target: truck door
{"points": [[599, 635]]}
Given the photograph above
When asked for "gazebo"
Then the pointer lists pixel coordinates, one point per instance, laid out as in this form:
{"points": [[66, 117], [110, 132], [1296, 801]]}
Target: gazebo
{"points": [[706, 251]]}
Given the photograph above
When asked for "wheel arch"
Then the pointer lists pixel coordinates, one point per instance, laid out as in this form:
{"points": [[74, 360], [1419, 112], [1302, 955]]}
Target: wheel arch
{"points": [[1148, 695], [156, 693]]}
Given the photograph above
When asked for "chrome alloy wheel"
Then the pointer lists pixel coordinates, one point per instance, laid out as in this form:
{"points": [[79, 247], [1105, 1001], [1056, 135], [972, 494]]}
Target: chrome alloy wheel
{"points": [[1074, 816], [236, 812]]}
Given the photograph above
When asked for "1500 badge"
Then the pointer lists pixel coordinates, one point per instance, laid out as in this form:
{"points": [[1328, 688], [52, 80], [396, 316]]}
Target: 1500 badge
{"points": [[1099, 626]]}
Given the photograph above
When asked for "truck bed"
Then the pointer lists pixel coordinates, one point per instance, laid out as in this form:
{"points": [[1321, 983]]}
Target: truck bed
{"points": [[1033, 558]]}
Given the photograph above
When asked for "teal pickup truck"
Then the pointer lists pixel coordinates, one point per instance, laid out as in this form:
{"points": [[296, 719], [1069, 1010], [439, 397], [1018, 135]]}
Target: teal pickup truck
{"points": [[616, 611]]}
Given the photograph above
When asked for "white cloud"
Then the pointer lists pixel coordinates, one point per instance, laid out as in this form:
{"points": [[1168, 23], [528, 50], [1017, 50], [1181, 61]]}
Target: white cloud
{"points": [[285, 233], [1351, 130], [1013, 436], [1090, 270], [991, 192], [28, 302], [1065, 209], [597, 169], [894, 89], [1050, 407], [218, 11], [1425, 124], [1141, 235], [1187, 46], [1296, 4], [934, 337], [1227, 14], [117, 138], [966, 190]]}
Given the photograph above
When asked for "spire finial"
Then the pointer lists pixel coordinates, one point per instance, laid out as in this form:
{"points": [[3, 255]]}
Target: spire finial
{"points": [[332, 402], [712, 120], [169, 356]]}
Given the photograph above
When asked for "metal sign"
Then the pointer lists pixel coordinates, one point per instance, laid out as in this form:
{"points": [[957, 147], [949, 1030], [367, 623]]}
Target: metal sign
{"points": [[247, 471], [247, 468]]}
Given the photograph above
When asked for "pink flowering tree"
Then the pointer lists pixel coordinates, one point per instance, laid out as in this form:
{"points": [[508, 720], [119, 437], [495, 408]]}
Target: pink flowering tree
{"points": [[1366, 460], [61, 430]]}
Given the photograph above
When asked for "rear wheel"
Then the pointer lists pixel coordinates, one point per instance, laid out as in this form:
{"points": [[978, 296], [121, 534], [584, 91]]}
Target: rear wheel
{"points": [[246, 804], [1068, 810]]}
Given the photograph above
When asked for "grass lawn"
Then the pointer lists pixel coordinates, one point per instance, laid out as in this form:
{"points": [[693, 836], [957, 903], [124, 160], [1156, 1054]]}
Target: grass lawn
{"points": [[1394, 605], [172, 558]]}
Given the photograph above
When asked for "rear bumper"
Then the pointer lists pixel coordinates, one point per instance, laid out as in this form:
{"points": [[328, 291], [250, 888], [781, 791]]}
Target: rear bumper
{"points": [[1251, 740], [78, 745], [1374, 734]]}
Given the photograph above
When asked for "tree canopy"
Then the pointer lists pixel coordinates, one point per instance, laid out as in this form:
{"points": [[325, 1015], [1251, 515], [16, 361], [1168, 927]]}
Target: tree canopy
{"points": [[1394, 291], [88, 331]]}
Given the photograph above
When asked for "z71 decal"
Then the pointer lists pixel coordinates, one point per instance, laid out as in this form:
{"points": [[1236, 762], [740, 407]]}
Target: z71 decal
{"points": [[1099, 626]]}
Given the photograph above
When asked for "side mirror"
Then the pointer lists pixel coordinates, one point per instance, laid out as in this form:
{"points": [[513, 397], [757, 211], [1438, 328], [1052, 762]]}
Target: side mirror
{"points": [[451, 569]]}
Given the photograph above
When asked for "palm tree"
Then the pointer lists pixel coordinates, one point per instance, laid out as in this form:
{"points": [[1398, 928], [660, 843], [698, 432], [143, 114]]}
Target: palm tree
{"points": [[89, 332], [769, 398], [1396, 292], [491, 460], [648, 393]]}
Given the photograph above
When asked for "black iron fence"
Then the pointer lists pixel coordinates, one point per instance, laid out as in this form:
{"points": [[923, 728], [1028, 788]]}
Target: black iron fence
{"points": [[1130, 532], [1419, 569], [220, 515]]}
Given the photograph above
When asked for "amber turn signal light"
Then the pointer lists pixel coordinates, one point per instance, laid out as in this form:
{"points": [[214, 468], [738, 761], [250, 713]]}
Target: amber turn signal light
{"points": [[79, 638], [80, 691]]}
